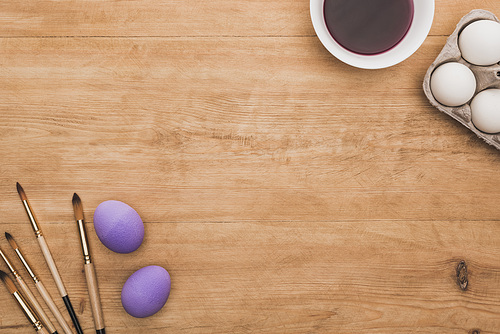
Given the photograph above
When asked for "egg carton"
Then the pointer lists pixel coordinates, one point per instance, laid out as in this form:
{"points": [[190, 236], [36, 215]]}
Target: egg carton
{"points": [[486, 76]]}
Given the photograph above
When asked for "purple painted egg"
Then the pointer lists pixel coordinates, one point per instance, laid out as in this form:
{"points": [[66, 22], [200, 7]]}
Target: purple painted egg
{"points": [[118, 226], [146, 291]]}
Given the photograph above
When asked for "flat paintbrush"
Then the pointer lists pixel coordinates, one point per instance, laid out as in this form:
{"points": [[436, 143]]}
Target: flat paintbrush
{"points": [[39, 286], [29, 295], [95, 301], [28, 312], [48, 258]]}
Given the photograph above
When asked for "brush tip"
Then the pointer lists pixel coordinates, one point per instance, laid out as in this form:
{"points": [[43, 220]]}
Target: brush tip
{"points": [[7, 281], [3, 274], [11, 240], [20, 191], [77, 207], [76, 198]]}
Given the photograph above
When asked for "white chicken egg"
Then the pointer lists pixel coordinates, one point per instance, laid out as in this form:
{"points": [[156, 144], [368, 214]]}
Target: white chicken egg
{"points": [[453, 84], [479, 42], [485, 110]]}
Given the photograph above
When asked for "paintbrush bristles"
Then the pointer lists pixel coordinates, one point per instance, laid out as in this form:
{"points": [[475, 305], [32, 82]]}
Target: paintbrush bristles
{"points": [[11, 240], [8, 282], [21, 193], [77, 207]]}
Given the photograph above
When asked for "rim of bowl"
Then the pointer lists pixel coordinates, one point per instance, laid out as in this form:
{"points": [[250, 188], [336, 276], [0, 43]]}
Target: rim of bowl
{"points": [[423, 16]]}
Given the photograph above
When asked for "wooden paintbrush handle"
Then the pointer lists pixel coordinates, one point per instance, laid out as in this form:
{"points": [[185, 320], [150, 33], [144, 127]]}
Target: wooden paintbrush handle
{"points": [[36, 306], [52, 265], [42, 331], [53, 307], [57, 279], [95, 300]]}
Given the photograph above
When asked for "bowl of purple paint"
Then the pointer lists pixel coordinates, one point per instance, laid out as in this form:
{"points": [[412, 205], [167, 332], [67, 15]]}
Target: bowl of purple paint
{"points": [[372, 34]]}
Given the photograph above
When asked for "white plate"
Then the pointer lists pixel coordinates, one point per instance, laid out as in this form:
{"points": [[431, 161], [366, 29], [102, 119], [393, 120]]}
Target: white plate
{"points": [[416, 35]]}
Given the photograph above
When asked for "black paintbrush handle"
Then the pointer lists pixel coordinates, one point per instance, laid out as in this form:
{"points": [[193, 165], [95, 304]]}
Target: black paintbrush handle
{"points": [[100, 331], [72, 314]]}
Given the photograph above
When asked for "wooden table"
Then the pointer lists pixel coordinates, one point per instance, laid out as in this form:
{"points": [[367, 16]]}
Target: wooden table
{"points": [[283, 190]]}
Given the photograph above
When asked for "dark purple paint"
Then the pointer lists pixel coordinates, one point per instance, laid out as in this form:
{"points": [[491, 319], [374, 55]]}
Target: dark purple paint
{"points": [[368, 27]]}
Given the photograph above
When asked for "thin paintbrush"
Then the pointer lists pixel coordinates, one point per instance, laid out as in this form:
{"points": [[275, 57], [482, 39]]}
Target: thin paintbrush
{"points": [[29, 295], [48, 258], [28, 312], [39, 286], [90, 275]]}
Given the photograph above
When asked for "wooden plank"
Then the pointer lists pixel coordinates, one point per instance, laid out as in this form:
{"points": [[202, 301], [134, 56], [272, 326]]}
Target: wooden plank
{"points": [[178, 18], [232, 129], [342, 277]]}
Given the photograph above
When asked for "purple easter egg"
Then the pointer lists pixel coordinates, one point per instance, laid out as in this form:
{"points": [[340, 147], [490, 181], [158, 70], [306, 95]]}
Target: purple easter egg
{"points": [[146, 291], [118, 226]]}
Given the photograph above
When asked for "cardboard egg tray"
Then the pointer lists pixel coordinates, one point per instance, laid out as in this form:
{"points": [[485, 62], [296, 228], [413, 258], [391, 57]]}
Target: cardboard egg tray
{"points": [[486, 76]]}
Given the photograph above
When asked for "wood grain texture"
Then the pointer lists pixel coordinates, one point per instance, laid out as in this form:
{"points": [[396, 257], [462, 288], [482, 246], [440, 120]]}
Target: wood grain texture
{"points": [[234, 129], [345, 277], [175, 18], [283, 190]]}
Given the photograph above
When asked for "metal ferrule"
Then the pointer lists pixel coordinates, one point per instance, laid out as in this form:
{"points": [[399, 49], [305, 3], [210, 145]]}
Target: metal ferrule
{"points": [[84, 242], [26, 265], [9, 265], [31, 216], [30, 314]]}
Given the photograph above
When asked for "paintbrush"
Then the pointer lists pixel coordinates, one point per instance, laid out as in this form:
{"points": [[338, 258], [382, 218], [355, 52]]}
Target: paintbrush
{"points": [[48, 258], [29, 295], [90, 274], [39, 286], [28, 312]]}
